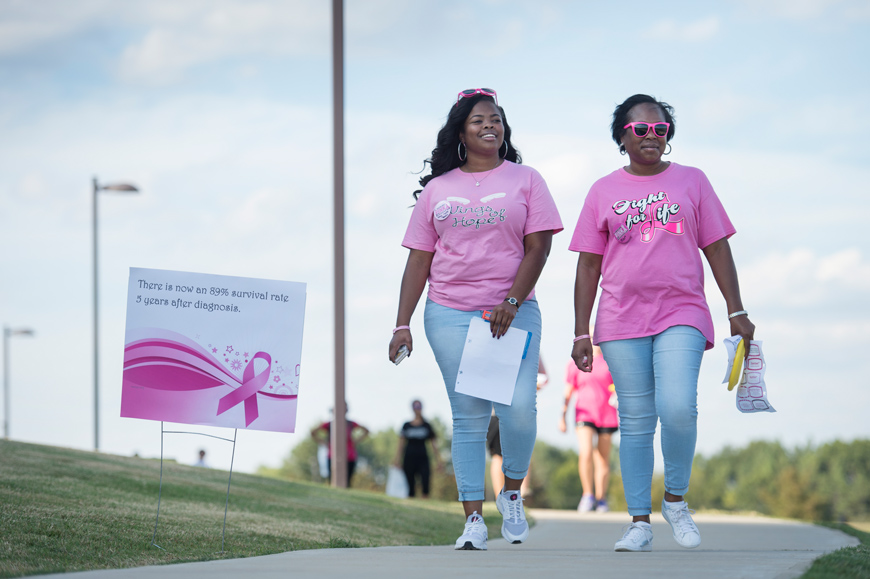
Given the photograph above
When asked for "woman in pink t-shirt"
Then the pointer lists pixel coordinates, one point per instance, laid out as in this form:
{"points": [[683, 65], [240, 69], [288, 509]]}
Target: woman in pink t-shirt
{"points": [[480, 234], [596, 421], [639, 233]]}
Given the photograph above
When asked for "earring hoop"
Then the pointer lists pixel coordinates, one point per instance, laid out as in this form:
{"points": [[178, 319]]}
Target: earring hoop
{"points": [[621, 150], [459, 151], [668, 152], [507, 149]]}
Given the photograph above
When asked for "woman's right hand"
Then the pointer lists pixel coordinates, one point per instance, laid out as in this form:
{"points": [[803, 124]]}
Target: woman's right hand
{"points": [[400, 338], [582, 354], [741, 326], [563, 426]]}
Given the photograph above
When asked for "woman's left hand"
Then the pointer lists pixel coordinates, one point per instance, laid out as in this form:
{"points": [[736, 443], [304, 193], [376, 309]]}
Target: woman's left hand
{"points": [[501, 318], [741, 326]]}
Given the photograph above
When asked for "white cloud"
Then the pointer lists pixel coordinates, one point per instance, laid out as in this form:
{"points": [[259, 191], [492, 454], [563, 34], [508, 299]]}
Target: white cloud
{"points": [[172, 36], [696, 31], [801, 277], [25, 25], [207, 32], [701, 30], [800, 9], [848, 11]]}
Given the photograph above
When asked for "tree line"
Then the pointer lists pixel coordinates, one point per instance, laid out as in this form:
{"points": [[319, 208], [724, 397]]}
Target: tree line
{"points": [[830, 482]]}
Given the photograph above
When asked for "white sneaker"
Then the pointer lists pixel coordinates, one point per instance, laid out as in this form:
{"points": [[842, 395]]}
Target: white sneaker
{"points": [[514, 527], [638, 537], [474, 537], [679, 516]]}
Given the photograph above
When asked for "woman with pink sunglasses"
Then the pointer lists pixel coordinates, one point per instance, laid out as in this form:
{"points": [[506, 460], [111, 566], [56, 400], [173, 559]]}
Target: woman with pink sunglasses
{"points": [[639, 234], [480, 234]]}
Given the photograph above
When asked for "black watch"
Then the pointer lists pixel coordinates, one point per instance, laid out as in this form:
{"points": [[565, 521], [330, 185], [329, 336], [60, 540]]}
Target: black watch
{"points": [[513, 302]]}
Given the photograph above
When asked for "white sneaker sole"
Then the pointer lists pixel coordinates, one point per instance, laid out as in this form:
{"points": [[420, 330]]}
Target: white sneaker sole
{"points": [[644, 549], [469, 546]]}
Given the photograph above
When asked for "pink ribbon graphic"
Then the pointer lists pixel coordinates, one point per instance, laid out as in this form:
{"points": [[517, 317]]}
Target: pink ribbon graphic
{"points": [[247, 392], [648, 228], [171, 362]]}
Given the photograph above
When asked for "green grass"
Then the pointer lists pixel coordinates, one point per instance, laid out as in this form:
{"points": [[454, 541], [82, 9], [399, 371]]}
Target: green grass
{"points": [[67, 510], [846, 563]]}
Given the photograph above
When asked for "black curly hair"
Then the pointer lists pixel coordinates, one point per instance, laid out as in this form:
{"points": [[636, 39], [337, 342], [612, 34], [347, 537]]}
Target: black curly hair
{"points": [[445, 155], [620, 117]]}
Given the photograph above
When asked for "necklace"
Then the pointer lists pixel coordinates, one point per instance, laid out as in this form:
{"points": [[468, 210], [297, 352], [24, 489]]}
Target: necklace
{"points": [[477, 181]]}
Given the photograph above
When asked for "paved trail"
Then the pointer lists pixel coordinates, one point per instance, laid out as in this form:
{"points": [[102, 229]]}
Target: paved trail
{"points": [[562, 542]]}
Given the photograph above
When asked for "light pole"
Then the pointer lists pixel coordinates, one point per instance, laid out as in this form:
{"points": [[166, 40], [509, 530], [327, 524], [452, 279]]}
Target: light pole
{"points": [[338, 441], [119, 188], [8, 333]]}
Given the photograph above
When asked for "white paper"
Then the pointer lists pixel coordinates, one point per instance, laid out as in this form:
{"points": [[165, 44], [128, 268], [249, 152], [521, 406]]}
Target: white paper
{"points": [[751, 390], [489, 366]]}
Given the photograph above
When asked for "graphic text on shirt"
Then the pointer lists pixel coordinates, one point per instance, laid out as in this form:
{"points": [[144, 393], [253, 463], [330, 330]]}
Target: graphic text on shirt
{"points": [[470, 216], [653, 212]]}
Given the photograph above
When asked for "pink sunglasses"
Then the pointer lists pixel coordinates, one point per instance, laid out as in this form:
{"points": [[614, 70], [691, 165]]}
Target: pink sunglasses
{"points": [[470, 92], [642, 129]]}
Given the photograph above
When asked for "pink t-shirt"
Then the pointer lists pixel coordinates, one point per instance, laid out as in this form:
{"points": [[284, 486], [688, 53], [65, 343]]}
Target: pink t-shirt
{"points": [[476, 232], [592, 394], [649, 230]]}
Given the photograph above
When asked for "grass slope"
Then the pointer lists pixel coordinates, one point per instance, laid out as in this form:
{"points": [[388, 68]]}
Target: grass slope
{"points": [[846, 563], [68, 510]]}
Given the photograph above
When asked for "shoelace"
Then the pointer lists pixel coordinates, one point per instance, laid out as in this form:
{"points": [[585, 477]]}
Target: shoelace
{"points": [[631, 528], [683, 520], [515, 510], [475, 527]]}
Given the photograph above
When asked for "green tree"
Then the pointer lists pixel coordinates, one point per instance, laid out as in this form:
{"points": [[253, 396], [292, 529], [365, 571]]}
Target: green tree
{"points": [[825, 483]]}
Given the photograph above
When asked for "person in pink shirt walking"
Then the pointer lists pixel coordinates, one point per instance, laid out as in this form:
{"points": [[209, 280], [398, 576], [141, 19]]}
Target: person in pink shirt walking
{"points": [[596, 421], [639, 233], [480, 234]]}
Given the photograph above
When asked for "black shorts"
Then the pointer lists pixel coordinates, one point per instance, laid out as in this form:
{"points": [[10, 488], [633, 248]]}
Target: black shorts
{"points": [[599, 429], [493, 438]]}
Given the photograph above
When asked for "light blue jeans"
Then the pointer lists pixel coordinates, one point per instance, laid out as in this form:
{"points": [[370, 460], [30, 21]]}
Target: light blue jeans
{"points": [[446, 330], [656, 378]]}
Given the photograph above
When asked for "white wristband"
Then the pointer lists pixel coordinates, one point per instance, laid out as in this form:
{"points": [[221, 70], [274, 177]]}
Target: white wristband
{"points": [[740, 313]]}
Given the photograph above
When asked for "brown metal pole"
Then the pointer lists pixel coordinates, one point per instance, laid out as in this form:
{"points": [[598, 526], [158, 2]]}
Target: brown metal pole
{"points": [[6, 334], [96, 326], [339, 425]]}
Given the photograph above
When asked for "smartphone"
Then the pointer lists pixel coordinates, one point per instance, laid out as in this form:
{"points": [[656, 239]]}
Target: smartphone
{"points": [[401, 354]]}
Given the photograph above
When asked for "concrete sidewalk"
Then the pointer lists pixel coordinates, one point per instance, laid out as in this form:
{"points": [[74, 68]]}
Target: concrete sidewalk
{"points": [[562, 543]]}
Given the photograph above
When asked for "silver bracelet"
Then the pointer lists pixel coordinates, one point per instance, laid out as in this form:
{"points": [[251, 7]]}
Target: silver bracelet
{"points": [[740, 313]]}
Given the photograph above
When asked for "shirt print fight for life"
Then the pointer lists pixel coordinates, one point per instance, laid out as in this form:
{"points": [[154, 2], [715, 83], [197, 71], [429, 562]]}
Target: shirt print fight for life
{"points": [[649, 231]]}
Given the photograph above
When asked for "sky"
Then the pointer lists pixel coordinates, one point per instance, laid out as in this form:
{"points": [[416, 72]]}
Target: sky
{"points": [[219, 111]]}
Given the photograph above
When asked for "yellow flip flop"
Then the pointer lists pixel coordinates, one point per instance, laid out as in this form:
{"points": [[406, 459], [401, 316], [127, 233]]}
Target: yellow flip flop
{"points": [[737, 368]]}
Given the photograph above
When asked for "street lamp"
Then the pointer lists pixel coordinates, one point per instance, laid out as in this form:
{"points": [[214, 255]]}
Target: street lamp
{"points": [[8, 333], [119, 188]]}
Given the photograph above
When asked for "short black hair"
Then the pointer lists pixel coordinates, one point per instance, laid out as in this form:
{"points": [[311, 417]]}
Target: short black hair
{"points": [[620, 116]]}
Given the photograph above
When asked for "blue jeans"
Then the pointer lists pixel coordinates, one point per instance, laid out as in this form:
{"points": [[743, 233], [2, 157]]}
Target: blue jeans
{"points": [[446, 330], [656, 378]]}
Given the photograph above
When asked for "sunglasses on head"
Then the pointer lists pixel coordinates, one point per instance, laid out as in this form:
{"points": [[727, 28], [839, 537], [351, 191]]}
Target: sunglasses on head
{"points": [[470, 92], [642, 129]]}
